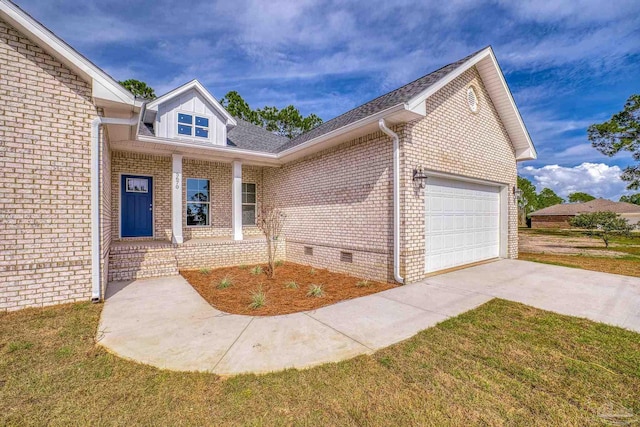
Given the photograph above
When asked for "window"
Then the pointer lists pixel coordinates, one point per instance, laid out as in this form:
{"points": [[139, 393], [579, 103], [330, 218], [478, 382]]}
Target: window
{"points": [[248, 204], [137, 185], [198, 202], [186, 125]]}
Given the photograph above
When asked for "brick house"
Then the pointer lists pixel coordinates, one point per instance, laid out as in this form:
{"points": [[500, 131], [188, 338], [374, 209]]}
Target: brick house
{"points": [[558, 216], [98, 186]]}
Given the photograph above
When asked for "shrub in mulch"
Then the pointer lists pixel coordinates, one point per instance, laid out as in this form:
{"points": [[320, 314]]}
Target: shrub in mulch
{"points": [[280, 295]]}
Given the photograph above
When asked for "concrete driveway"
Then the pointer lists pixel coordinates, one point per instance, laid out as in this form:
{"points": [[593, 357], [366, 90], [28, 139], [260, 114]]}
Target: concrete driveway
{"points": [[165, 323]]}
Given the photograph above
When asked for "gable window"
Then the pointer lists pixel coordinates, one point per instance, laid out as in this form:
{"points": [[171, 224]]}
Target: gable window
{"points": [[192, 125], [248, 204], [198, 202]]}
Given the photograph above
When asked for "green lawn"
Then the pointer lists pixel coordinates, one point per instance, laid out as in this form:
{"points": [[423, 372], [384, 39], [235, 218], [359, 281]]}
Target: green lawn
{"points": [[503, 363]]}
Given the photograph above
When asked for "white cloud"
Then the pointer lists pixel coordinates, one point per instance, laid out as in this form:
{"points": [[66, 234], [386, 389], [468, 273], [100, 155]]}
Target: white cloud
{"points": [[597, 179]]}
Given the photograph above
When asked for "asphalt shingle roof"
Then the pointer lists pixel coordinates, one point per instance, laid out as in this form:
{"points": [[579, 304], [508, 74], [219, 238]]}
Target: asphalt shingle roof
{"points": [[398, 96], [596, 205], [248, 136]]}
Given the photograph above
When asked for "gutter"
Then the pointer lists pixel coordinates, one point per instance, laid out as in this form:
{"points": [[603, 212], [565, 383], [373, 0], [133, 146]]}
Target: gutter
{"points": [[396, 199], [95, 199]]}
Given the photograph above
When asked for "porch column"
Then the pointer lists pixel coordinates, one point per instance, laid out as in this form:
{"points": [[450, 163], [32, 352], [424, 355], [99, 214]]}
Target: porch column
{"points": [[176, 200], [236, 205]]}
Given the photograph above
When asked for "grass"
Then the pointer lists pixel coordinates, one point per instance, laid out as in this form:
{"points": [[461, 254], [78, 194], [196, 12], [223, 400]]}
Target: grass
{"points": [[633, 239], [363, 284], [279, 263], [627, 265], [291, 285], [225, 283], [205, 270], [258, 298], [257, 270], [501, 364], [315, 291]]}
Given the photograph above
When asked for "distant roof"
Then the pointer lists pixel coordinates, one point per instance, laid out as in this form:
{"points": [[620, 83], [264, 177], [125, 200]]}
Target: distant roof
{"points": [[395, 97], [596, 205]]}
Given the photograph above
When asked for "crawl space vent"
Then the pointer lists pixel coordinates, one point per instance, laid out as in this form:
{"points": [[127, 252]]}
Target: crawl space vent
{"points": [[308, 250], [346, 256], [472, 99]]}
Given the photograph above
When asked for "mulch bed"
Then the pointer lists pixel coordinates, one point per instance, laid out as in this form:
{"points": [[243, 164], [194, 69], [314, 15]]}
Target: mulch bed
{"points": [[280, 299]]}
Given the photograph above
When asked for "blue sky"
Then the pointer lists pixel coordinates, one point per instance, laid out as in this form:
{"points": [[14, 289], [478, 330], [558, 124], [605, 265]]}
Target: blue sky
{"points": [[568, 63]]}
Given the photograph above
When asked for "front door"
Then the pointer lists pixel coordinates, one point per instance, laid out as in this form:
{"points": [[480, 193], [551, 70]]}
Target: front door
{"points": [[136, 213]]}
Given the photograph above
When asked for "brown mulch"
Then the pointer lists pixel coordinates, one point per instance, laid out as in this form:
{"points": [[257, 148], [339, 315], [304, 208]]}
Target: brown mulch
{"points": [[629, 266], [279, 299]]}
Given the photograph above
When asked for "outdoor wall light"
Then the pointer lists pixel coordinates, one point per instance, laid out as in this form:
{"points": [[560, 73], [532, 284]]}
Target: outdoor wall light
{"points": [[517, 192], [420, 177]]}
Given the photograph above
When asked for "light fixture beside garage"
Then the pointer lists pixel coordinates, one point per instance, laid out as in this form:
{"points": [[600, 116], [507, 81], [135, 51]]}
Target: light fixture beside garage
{"points": [[420, 177]]}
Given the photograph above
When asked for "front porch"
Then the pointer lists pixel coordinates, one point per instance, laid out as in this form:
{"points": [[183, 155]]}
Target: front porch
{"points": [[131, 260]]}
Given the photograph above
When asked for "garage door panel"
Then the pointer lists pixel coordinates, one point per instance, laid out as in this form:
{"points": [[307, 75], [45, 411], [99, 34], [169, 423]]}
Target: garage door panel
{"points": [[462, 223]]}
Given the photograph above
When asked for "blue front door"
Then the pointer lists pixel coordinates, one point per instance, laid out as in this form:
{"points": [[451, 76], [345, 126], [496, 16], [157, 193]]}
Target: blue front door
{"points": [[137, 206]]}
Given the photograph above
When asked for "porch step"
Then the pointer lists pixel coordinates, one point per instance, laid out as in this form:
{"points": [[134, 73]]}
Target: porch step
{"points": [[130, 263]]}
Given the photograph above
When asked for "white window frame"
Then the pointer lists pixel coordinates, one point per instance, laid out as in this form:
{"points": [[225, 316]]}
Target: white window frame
{"points": [[188, 202], [255, 204], [193, 125]]}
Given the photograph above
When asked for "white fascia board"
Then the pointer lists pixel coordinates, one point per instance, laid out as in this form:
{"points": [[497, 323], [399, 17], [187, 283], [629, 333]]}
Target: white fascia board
{"points": [[417, 103], [525, 133], [227, 152], [39, 34], [419, 99], [194, 84], [345, 129]]}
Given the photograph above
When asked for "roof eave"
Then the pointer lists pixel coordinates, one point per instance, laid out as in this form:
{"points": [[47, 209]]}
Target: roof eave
{"points": [[501, 96], [194, 84], [104, 87], [398, 113], [228, 153]]}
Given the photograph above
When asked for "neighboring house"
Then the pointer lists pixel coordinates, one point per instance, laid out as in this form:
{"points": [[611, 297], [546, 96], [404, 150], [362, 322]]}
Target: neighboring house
{"points": [[100, 186], [558, 216]]}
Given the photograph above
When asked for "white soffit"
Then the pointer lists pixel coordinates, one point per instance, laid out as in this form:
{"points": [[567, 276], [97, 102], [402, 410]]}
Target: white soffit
{"points": [[103, 86]]}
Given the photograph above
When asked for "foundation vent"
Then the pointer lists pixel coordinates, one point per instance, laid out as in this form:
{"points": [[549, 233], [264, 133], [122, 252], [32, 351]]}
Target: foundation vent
{"points": [[346, 256], [308, 250]]}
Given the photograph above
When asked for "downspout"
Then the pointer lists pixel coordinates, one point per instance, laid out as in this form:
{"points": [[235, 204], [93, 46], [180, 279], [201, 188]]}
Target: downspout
{"points": [[396, 199], [95, 199]]}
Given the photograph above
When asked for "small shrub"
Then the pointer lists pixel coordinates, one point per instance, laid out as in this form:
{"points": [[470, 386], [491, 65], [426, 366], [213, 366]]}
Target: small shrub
{"points": [[205, 270], [291, 285], [243, 267], [279, 263], [315, 291], [312, 271], [258, 298], [363, 284], [225, 283], [256, 270]]}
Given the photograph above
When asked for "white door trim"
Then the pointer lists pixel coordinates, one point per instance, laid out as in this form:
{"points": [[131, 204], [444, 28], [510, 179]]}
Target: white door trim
{"points": [[503, 201]]}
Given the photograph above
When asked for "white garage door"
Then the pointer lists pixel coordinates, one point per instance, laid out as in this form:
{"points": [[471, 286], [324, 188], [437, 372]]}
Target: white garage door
{"points": [[462, 223]]}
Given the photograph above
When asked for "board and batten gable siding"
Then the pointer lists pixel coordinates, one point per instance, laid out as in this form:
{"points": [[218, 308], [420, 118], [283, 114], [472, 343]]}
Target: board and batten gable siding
{"points": [[45, 192], [190, 102], [451, 139]]}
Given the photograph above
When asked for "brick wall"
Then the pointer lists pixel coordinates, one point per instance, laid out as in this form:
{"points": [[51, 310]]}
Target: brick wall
{"points": [[105, 208], [551, 221], [452, 139], [158, 167], [338, 200], [45, 137]]}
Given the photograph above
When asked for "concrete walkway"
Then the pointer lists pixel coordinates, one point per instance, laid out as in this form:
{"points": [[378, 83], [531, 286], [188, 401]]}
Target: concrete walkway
{"points": [[165, 323]]}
